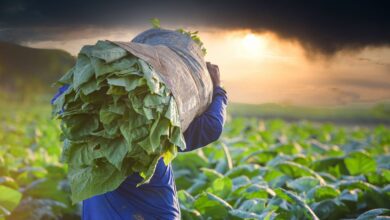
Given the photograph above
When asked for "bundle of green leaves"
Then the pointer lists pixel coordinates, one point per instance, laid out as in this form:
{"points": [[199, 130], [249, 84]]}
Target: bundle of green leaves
{"points": [[117, 118]]}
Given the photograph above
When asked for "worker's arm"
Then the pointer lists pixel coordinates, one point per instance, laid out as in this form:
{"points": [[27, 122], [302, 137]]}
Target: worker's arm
{"points": [[207, 127]]}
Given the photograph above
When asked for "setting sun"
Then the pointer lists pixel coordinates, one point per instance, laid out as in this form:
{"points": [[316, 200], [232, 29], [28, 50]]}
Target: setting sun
{"points": [[253, 45]]}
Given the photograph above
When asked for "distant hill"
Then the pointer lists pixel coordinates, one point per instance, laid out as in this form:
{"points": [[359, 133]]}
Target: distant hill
{"points": [[28, 69]]}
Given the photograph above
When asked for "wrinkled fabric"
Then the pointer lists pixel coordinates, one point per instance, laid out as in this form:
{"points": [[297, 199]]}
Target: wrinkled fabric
{"points": [[157, 199], [179, 60]]}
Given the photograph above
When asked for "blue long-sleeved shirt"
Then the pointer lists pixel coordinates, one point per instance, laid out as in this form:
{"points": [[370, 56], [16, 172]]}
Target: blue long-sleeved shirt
{"points": [[157, 199]]}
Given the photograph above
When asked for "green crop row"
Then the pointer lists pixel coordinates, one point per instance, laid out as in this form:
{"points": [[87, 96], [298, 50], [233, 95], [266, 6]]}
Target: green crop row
{"points": [[257, 170], [277, 170]]}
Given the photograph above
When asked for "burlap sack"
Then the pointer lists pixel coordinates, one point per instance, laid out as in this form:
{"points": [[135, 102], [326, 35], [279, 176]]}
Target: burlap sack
{"points": [[180, 63]]}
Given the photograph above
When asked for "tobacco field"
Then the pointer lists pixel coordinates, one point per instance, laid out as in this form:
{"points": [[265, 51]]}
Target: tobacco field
{"points": [[259, 169]]}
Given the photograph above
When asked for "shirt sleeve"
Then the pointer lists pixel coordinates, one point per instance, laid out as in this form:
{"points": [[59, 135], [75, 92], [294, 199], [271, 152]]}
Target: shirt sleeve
{"points": [[207, 127]]}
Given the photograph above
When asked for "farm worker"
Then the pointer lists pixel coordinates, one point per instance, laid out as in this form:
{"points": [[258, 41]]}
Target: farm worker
{"points": [[158, 199]]}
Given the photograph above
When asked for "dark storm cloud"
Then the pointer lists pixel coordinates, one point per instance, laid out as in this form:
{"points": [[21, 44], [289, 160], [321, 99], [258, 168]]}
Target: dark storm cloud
{"points": [[320, 26]]}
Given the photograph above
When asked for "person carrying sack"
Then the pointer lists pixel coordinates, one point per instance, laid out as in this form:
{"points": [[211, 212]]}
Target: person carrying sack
{"points": [[158, 198]]}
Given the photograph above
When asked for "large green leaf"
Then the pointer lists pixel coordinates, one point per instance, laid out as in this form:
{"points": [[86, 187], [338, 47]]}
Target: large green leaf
{"points": [[114, 150], [79, 126], [83, 71], [360, 163], [320, 193], [105, 51], [9, 199], [333, 165], [212, 206], [92, 180], [221, 187]]}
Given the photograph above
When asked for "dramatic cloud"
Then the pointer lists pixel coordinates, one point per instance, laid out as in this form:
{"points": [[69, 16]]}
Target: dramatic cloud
{"points": [[320, 26]]}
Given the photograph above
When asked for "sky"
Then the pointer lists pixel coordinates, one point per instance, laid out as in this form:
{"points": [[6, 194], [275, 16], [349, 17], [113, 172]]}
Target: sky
{"points": [[291, 52]]}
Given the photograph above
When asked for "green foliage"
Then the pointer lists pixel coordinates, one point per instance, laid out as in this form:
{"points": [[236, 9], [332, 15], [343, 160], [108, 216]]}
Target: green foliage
{"points": [[33, 183], [249, 174], [117, 118], [194, 36], [307, 174], [155, 22], [360, 163], [9, 199]]}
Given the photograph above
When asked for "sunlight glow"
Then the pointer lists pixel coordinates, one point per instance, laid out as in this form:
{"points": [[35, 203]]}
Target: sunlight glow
{"points": [[253, 45], [260, 67]]}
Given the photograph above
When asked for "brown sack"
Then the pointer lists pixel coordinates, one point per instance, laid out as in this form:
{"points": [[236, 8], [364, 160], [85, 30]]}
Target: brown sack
{"points": [[179, 62]]}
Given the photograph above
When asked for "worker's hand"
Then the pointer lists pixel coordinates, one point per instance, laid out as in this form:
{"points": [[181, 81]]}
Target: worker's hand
{"points": [[214, 74]]}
